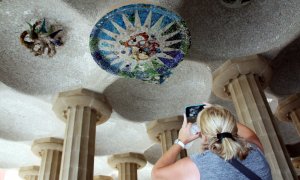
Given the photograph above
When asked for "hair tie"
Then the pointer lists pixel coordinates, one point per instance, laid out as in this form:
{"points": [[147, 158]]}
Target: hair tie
{"points": [[220, 136]]}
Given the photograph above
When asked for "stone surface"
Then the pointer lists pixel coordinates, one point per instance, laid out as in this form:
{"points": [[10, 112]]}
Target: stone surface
{"points": [[234, 68], [165, 131], [29, 83], [82, 109], [127, 164], [293, 149], [139, 101], [101, 177], [286, 65], [296, 162], [25, 118], [220, 32], [289, 110], [11, 156], [82, 97], [247, 94], [29, 172], [153, 153], [40, 145], [50, 150]]}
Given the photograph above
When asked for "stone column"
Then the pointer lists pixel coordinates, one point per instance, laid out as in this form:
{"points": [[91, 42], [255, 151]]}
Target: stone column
{"points": [[296, 162], [127, 164], [288, 109], [242, 81], [293, 149], [101, 177], [165, 131], [50, 150], [29, 172], [294, 152], [82, 110]]}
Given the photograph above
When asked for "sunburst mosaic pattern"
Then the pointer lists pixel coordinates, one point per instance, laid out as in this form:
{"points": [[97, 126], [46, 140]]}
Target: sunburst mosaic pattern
{"points": [[140, 41]]}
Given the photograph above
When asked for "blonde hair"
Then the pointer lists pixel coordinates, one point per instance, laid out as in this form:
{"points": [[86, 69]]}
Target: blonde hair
{"points": [[214, 120]]}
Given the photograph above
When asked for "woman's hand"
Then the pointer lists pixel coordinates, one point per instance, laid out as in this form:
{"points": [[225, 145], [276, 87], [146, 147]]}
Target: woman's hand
{"points": [[185, 134]]}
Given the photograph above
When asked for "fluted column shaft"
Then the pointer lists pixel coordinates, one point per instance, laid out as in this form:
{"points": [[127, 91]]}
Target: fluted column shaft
{"points": [[50, 166], [288, 109], [79, 149], [242, 80], [295, 116], [31, 178], [167, 139], [82, 110], [127, 164], [252, 108], [296, 164], [29, 173], [50, 150], [165, 131], [101, 177], [127, 171]]}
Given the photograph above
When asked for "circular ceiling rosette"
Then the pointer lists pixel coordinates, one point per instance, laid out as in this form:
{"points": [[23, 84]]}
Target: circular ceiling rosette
{"points": [[140, 41]]}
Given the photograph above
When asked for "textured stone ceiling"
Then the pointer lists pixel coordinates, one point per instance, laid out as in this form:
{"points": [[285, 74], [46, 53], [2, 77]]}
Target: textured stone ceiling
{"points": [[28, 83]]}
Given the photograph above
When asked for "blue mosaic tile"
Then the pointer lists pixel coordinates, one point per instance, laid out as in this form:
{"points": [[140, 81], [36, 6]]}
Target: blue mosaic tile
{"points": [[140, 41]]}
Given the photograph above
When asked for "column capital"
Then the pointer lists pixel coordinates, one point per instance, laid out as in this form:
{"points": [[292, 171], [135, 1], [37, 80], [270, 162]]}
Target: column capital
{"points": [[29, 171], [49, 143], [234, 68], [156, 127], [296, 162], [82, 97], [286, 106], [129, 157], [101, 177]]}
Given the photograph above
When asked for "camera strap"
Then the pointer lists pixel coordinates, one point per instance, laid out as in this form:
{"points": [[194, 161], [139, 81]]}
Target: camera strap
{"points": [[243, 169]]}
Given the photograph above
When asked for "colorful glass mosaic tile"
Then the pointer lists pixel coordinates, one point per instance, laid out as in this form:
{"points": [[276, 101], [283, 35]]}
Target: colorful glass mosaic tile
{"points": [[140, 41], [42, 38]]}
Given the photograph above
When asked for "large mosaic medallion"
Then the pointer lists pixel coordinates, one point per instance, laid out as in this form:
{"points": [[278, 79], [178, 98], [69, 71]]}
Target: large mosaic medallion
{"points": [[140, 41]]}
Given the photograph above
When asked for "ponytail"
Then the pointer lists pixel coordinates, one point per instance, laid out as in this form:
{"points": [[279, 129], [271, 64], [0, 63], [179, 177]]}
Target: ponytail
{"points": [[219, 126]]}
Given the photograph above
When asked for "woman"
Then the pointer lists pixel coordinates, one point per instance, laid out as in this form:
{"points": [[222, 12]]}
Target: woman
{"points": [[225, 141]]}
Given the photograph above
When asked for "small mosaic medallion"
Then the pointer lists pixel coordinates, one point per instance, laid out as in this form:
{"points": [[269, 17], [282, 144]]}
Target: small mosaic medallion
{"points": [[140, 41], [42, 38]]}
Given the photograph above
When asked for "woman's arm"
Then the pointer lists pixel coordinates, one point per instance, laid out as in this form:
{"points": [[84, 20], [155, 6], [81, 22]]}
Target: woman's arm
{"points": [[168, 168], [249, 135], [168, 158]]}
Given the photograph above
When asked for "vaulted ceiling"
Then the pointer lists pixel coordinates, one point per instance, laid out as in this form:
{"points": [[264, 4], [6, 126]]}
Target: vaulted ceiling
{"points": [[28, 83]]}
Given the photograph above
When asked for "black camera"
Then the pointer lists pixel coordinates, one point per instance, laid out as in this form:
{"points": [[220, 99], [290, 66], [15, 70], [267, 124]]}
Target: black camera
{"points": [[191, 112]]}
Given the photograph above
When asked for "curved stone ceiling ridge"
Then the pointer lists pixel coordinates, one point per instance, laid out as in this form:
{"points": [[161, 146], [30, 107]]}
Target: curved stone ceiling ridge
{"points": [[218, 33], [16, 154], [113, 132], [24, 117], [286, 77], [139, 101], [154, 152], [97, 9], [72, 66], [288, 132], [101, 167], [221, 32]]}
